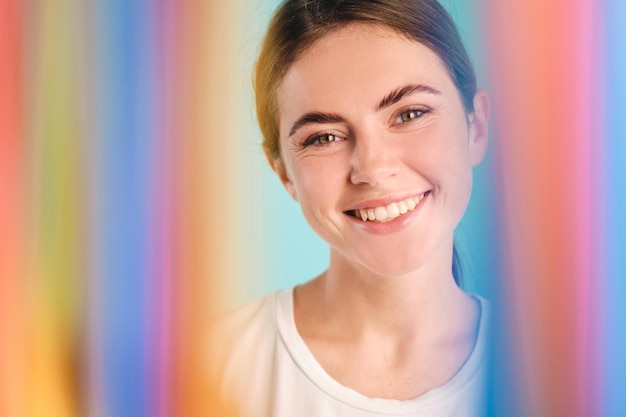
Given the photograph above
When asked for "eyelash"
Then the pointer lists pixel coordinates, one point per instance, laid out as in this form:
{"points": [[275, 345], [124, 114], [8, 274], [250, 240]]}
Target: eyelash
{"points": [[418, 112], [316, 140]]}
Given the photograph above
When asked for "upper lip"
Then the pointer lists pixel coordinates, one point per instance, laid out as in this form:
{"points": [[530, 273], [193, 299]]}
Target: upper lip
{"points": [[383, 201]]}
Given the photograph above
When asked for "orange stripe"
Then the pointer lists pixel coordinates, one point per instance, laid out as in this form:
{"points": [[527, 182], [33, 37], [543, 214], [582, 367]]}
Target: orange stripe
{"points": [[206, 137]]}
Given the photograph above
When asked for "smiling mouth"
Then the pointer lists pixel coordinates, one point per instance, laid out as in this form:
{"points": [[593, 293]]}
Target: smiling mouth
{"points": [[387, 213]]}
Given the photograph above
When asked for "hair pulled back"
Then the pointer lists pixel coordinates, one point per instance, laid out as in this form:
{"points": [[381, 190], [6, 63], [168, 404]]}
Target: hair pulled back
{"points": [[298, 24]]}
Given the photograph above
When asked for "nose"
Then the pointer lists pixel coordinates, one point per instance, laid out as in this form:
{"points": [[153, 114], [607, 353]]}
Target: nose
{"points": [[372, 160]]}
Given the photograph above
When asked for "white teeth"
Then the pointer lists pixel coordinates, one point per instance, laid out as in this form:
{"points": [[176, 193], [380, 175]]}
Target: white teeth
{"points": [[393, 211], [380, 213], [390, 212]]}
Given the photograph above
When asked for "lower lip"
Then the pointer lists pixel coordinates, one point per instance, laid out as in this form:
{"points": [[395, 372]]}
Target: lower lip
{"points": [[392, 226]]}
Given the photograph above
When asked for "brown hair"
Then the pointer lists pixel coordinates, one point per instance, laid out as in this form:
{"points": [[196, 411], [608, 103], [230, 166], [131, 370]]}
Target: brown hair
{"points": [[298, 24]]}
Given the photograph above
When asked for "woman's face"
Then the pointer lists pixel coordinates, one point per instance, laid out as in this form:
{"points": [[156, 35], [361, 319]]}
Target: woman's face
{"points": [[372, 127]]}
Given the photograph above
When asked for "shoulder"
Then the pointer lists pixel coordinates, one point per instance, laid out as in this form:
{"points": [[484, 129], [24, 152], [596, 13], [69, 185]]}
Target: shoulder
{"points": [[245, 320], [242, 328], [243, 345], [465, 393], [480, 353], [242, 342], [485, 317]]}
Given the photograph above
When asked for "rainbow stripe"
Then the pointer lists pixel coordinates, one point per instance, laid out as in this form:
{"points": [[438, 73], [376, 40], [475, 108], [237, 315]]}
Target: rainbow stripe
{"points": [[558, 79], [135, 202]]}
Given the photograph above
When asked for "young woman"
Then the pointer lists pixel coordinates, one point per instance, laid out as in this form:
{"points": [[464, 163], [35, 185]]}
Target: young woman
{"points": [[372, 120]]}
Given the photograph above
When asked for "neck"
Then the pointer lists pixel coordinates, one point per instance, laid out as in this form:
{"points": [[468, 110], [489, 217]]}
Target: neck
{"points": [[426, 301]]}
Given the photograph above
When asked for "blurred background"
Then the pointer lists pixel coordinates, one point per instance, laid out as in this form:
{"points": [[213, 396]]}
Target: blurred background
{"points": [[136, 203]]}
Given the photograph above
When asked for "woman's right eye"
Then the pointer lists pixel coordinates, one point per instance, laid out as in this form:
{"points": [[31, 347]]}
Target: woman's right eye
{"points": [[321, 140]]}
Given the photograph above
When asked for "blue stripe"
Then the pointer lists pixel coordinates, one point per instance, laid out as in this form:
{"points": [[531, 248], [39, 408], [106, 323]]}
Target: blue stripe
{"points": [[123, 150], [614, 303]]}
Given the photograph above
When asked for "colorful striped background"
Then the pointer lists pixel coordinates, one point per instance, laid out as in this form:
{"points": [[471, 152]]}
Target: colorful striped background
{"points": [[135, 202]]}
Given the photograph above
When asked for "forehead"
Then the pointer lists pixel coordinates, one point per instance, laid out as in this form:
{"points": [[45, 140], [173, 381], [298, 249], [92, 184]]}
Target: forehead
{"points": [[357, 66]]}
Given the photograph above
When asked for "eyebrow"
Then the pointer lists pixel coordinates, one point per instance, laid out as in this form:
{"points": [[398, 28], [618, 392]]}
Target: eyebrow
{"points": [[401, 92], [389, 100], [315, 117]]}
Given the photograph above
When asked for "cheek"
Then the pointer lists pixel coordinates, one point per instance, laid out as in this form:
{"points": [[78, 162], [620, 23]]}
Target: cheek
{"points": [[318, 182], [319, 191], [443, 159], [442, 151], [459, 184]]}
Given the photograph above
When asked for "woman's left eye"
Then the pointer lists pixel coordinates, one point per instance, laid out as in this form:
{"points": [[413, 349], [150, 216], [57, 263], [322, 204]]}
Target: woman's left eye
{"points": [[322, 139], [409, 115]]}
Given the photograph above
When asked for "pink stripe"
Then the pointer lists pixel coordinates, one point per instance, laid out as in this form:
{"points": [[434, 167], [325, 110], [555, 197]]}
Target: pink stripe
{"points": [[160, 315], [585, 38]]}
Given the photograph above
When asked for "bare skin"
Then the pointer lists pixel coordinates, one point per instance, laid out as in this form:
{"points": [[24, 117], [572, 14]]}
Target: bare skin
{"points": [[386, 339], [386, 318]]}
